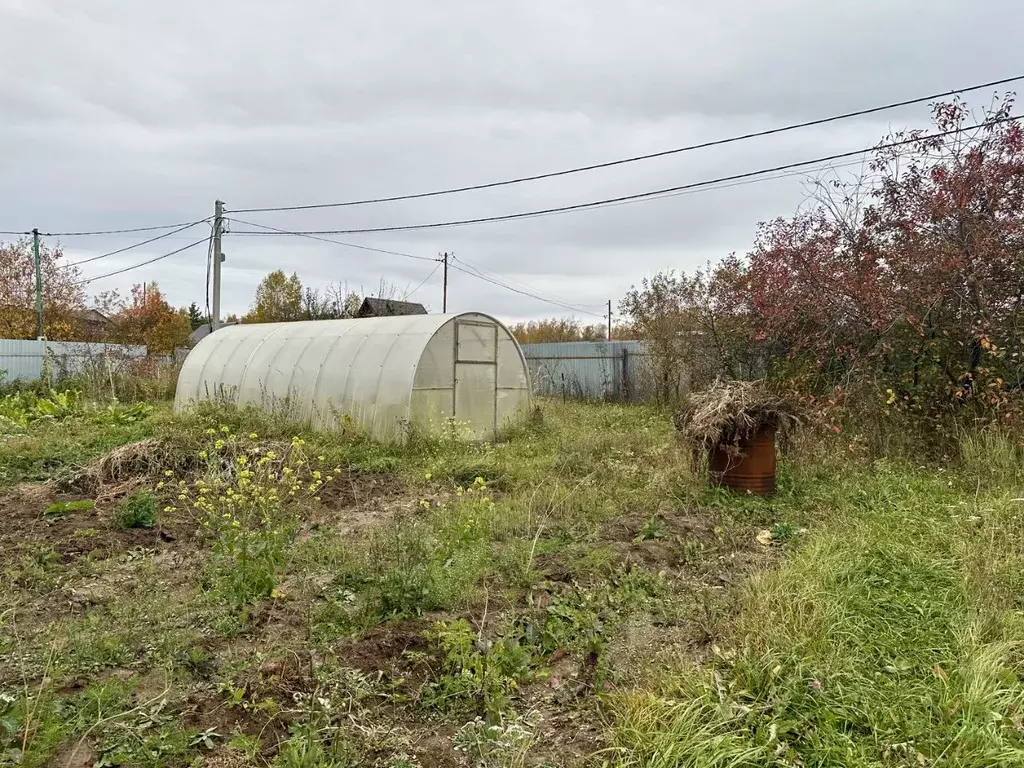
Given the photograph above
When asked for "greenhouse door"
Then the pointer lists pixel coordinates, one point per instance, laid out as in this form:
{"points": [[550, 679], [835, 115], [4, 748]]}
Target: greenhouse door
{"points": [[476, 378]]}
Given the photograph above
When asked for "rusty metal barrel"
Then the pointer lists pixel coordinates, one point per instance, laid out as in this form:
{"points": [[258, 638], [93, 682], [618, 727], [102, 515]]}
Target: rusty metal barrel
{"points": [[746, 466]]}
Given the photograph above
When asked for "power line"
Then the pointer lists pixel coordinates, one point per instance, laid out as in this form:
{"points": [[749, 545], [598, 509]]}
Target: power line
{"points": [[507, 282], [135, 245], [710, 186], [425, 279], [522, 293], [316, 236], [141, 263], [653, 194], [118, 231], [649, 156], [277, 231]]}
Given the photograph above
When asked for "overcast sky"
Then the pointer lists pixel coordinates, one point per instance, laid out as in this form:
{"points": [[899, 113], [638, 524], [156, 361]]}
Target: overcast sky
{"points": [[122, 113]]}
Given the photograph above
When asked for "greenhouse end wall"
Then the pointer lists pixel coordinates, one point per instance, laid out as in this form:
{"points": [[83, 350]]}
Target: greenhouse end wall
{"points": [[386, 374]]}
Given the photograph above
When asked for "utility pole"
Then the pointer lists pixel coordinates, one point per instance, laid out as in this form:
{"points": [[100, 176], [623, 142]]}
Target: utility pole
{"points": [[609, 319], [444, 296], [218, 257], [39, 284]]}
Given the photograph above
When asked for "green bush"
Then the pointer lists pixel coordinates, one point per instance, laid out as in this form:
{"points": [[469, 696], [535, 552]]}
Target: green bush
{"points": [[137, 510]]}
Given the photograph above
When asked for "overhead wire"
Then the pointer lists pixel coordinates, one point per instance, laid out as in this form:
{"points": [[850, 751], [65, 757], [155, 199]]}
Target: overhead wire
{"points": [[277, 230], [522, 293], [653, 194], [503, 280], [506, 282], [136, 245], [140, 264], [317, 236], [647, 156], [425, 279], [209, 267], [119, 231]]}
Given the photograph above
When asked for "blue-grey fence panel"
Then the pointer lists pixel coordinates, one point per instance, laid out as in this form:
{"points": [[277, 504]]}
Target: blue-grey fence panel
{"points": [[28, 359], [590, 370]]}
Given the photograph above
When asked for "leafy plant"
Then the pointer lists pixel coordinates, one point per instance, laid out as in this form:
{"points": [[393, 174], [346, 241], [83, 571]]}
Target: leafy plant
{"points": [[785, 531], [137, 510], [61, 509], [25, 407], [475, 675], [504, 744], [652, 529]]}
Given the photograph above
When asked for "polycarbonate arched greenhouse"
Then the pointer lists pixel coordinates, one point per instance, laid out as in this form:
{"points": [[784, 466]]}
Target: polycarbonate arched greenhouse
{"points": [[386, 374]]}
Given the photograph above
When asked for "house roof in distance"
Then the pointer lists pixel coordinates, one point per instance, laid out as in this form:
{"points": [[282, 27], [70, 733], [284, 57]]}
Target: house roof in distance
{"points": [[372, 307]]}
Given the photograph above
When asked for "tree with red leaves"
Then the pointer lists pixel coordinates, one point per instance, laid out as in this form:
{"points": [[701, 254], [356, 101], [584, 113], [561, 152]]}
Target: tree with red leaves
{"points": [[63, 298], [910, 279], [147, 319]]}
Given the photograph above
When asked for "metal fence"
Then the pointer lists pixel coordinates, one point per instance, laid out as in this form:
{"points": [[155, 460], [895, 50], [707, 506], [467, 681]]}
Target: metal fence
{"points": [[32, 359], [590, 370]]}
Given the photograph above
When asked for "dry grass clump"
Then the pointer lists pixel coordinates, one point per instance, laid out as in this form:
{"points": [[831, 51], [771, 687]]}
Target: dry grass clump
{"points": [[731, 411], [145, 458]]}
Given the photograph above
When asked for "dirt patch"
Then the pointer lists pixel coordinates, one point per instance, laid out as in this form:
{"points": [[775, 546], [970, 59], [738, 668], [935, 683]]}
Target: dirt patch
{"points": [[706, 546], [76, 532], [73, 754], [354, 502], [385, 649], [432, 747]]}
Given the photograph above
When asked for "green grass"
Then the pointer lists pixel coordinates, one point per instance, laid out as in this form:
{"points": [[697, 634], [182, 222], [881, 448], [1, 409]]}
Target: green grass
{"points": [[575, 578], [892, 637]]}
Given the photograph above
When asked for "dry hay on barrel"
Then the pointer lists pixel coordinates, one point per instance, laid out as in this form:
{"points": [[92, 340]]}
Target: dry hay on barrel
{"points": [[731, 411]]}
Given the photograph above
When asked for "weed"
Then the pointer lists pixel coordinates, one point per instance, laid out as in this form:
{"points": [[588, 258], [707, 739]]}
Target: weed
{"points": [[475, 675], [61, 509], [654, 528], [783, 532], [504, 744], [138, 510], [245, 499]]}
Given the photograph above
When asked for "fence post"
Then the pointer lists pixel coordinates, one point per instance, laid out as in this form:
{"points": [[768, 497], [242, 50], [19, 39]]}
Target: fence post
{"points": [[625, 375]]}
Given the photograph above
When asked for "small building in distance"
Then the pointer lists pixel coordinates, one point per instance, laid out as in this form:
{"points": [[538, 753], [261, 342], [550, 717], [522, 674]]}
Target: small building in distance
{"points": [[372, 307], [92, 324]]}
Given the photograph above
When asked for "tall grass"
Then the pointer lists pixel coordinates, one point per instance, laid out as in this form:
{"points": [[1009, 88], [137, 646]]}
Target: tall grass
{"points": [[892, 637]]}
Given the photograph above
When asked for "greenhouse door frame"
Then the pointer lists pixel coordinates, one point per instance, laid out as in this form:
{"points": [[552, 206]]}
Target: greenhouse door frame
{"points": [[487, 344]]}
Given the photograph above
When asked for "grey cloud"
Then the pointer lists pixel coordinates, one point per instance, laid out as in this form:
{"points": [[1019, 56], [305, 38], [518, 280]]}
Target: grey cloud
{"points": [[120, 114]]}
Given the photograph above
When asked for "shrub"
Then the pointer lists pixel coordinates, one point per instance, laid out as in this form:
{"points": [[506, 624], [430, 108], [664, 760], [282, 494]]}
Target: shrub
{"points": [[137, 510]]}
